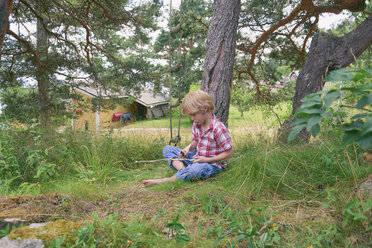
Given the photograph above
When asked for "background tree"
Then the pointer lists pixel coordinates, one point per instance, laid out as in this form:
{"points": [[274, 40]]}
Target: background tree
{"points": [[87, 42], [42, 75], [275, 33], [219, 55], [5, 9], [189, 35], [328, 53]]}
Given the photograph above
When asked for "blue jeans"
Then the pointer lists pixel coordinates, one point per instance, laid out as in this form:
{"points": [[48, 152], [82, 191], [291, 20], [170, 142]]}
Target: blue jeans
{"points": [[192, 170]]}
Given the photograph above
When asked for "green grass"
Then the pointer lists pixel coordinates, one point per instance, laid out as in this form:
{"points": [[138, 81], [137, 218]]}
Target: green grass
{"points": [[253, 118], [270, 194]]}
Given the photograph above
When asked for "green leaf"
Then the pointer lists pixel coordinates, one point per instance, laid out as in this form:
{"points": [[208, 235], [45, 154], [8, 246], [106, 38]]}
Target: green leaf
{"points": [[299, 112], [367, 127], [299, 121], [349, 205], [308, 104], [359, 116], [344, 222], [349, 137], [296, 130], [313, 97], [356, 125], [352, 69], [361, 74], [339, 75], [325, 204], [365, 142], [312, 111], [315, 130], [364, 101], [331, 96], [313, 120], [302, 111], [369, 70], [364, 87]]}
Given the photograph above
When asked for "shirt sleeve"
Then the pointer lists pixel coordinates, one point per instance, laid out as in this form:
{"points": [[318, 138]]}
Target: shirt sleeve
{"points": [[223, 138]]}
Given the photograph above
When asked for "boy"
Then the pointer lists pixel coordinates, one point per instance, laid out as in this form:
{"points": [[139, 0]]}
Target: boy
{"points": [[210, 138]]}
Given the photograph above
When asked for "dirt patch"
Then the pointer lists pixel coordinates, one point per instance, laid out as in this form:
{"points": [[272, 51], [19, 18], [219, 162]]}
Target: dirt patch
{"points": [[30, 208], [42, 208], [142, 201]]}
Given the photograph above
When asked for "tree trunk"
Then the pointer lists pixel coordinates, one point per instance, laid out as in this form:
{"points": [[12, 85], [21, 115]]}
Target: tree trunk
{"points": [[42, 74], [219, 55], [5, 9], [327, 53]]}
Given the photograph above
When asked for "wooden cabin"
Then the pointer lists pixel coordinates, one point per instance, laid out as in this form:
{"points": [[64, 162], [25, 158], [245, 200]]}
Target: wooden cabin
{"points": [[146, 105]]}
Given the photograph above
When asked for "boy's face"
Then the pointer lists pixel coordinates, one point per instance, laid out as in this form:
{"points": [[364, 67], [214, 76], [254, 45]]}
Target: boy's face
{"points": [[199, 117]]}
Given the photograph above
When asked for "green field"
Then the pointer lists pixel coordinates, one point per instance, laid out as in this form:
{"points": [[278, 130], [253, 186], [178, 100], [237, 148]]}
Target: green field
{"points": [[271, 194]]}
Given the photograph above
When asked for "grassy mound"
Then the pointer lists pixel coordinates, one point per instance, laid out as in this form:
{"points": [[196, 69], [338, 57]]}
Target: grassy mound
{"points": [[270, 194]]}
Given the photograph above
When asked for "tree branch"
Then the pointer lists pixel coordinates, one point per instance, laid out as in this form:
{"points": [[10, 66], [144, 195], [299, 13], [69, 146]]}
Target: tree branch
{"points": [[304, 5], [111, 56], [199, 21], [28, 47], [86, 27], [46, 28], [312, 28], [106, 13], [335, 9], [35, 55]]}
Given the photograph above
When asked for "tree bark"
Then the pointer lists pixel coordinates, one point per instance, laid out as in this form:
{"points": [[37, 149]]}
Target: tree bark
{"points": [[42, 74], [220, 53], [327, 53], [5, 9]]}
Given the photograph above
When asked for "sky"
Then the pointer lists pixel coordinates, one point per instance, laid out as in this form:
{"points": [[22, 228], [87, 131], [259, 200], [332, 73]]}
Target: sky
{"points": [[326, 21]]}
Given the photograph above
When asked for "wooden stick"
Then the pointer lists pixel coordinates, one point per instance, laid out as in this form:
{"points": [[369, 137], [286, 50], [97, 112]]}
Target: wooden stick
{"points": [[164, 159]]}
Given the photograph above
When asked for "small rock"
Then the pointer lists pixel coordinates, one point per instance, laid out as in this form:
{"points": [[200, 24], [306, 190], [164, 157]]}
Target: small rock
{"points": [[365, 188], [367, 157], [13, 220], [37, 225], [26, 243]]}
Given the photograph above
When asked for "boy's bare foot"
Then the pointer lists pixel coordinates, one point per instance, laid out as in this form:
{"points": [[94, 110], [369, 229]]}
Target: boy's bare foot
{"points": [[159, 181], [152, 182]]}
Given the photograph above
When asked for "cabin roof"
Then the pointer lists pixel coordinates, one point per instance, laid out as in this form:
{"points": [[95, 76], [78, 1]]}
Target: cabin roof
{"points": [[145, 97]]}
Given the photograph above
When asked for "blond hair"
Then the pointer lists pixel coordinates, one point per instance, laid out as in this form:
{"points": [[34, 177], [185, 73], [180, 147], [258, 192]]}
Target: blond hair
{"points": [[196, 101]]}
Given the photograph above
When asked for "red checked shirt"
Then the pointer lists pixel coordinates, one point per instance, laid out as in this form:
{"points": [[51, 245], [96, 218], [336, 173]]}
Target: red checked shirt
{"points": [[213, 141]]}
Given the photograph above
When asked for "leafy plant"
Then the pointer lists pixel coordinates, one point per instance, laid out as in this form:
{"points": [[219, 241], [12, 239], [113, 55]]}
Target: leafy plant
{"points": [[331, 199], [8, 229], [177, 230], [57, 243], [214, 204], [9, 166], [356, 87], [325, 238], [359, 213], [253, 228]]}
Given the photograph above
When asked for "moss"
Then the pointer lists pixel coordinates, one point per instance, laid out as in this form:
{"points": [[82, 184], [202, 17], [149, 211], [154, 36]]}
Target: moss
{"points": [[14, 213], [48, 232], [20, 206]]}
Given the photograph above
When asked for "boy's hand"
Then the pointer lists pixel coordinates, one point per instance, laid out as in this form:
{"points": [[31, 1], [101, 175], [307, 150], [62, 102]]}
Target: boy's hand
{"points": [[184, 152], [200, 159]]}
